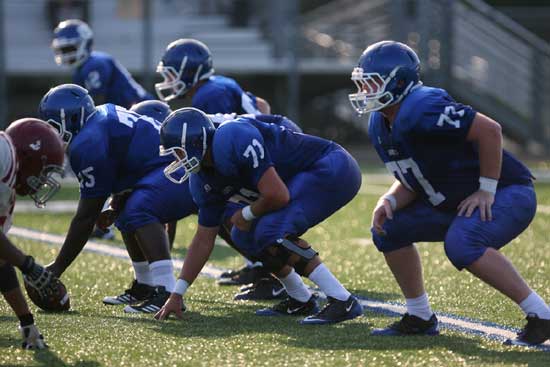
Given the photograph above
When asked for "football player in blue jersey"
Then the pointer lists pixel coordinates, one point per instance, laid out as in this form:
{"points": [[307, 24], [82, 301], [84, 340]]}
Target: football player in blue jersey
{"points": [[157, 110], [287, 174], [106, 79], [114, 151], [454, 183], [187, 71]]}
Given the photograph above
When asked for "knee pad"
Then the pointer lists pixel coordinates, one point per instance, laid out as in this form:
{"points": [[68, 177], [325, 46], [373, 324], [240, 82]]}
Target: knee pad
{"points": [[8, 278], [276, 256], [461, 250]]}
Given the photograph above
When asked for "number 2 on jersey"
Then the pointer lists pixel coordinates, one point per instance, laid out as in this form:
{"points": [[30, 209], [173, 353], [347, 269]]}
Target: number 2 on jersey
{"points": [[251, 152]]}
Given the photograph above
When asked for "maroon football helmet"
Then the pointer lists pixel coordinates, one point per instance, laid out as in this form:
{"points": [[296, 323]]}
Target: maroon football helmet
{"points": [[40, 155]]}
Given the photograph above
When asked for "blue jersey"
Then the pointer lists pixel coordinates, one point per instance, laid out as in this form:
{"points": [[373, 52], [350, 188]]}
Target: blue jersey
{"points": [[279, 120], [100, 74], [242, 150], [223, 95], [427, 151], [113, 150]]}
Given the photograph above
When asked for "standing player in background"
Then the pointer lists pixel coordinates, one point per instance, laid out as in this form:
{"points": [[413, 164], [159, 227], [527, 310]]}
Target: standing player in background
{"points": [[31, 152], [187, 70], [454, 183], [115, 151], [289, 173], [106, 79]]}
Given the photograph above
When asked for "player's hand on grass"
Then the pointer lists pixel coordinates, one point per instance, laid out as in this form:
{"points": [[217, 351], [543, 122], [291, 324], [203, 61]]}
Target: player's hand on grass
{"points": [[238, 221], [37, 276], [174, 305], [381, 212], [32, 339], [480, 199]]}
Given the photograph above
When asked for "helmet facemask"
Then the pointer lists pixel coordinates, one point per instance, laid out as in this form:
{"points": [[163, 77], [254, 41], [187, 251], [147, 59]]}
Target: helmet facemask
{"points": [[174, 85], [45, 186], [184, 163], [372, 93], [62, 128], [70, 51]]}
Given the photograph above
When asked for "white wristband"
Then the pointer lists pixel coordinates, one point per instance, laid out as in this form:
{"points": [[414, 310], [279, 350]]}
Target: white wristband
{"points": [[488, 184], [181, 287], [391, 199], [247, 214]]}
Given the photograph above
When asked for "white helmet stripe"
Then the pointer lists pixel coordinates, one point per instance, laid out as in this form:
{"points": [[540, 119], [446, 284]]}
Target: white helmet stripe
{"points": [[183, 135], [203, 141]]}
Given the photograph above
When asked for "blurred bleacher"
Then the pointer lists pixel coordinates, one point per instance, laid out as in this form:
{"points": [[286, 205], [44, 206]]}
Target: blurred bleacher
{"points": [[480, 55]]}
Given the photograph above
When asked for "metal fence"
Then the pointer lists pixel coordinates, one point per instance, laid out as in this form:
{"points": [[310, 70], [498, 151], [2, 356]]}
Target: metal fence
{"points": [[482, 57]]}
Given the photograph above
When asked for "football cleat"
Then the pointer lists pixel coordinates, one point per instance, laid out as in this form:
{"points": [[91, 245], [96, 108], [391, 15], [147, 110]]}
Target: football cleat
{"points": [[245, 275], [410, 325], [291, 307], [104, 234], [535, 332], [153, 304], [263, 289], [335, 311], [137, 292]]}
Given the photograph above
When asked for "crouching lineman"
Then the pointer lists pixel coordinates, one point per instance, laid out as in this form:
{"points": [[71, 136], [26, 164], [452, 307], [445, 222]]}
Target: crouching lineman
{"points": [[188, 72], [31, 152], [454, 183], [290, 172], [105, 78], [114, 151]]}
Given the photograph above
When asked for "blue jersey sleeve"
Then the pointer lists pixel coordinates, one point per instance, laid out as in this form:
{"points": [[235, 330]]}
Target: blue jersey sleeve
{"points": [[96, 171], [211, 204], [239, 151], [438, 116], [216, 101], [95, 76]]}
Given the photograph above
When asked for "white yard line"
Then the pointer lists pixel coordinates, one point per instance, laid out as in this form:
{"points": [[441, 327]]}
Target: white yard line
{"points": [[453, 322]]}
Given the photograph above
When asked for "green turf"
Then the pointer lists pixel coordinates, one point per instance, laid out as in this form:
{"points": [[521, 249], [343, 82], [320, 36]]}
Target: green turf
{"points": [[220, 331]]}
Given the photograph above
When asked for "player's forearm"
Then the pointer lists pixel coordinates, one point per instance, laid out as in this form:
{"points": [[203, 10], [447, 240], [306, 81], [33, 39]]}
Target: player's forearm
{"points": [[78, 235], [402, 195], [490, 154], [267, 204], [487, 135], [10, 253], [197, 255]]}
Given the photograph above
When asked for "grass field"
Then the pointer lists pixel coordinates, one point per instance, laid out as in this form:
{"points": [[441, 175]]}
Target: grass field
{"points": [[219, 331]]}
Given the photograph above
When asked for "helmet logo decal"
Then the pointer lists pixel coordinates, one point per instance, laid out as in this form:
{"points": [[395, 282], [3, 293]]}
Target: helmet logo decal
{"points": [[36, 145]]}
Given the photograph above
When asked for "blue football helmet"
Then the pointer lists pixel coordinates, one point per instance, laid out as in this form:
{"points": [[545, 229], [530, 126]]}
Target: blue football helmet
{"points": [[184, 63], [385, 74], [66, 107], [72, 42], [186, 134], [154, 109]]}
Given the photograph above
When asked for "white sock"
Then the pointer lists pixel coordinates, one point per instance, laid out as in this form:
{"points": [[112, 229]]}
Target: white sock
{"points": [[295, 287], [142, 272], [328, 283], [163, 274], [535, 304], [420, 307]]}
